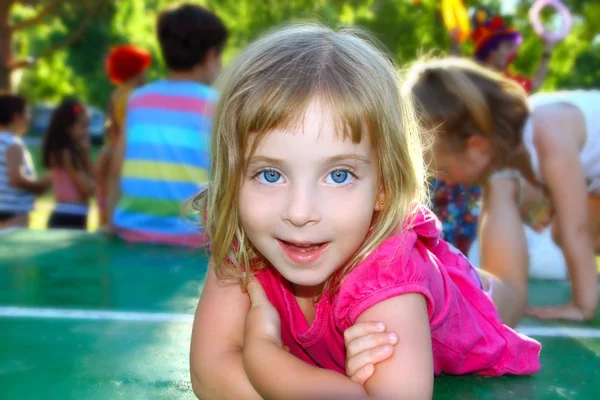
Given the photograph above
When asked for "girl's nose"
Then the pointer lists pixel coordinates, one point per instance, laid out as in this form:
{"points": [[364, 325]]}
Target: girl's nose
{"points": [[302, 207]]}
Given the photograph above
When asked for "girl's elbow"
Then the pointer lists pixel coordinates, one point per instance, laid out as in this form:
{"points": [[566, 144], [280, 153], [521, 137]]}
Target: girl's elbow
{"points": [[196, 386], [200, 391], [199, 385], [204, 368]]}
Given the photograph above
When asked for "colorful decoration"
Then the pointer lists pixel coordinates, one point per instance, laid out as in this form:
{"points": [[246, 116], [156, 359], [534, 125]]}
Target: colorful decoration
{"points": [[456, 18], [538, 27]]}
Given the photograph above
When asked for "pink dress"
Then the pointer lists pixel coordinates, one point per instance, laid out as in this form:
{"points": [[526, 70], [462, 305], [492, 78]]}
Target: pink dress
{"points": [[467, 333], [65, 189]]}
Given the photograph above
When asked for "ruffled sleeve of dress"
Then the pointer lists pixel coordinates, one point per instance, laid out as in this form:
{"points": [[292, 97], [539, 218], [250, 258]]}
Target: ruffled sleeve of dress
{"points": [[400, 265]]}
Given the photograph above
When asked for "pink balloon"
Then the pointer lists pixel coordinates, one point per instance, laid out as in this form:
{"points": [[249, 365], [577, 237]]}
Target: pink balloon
{"points": [[538, 27]]}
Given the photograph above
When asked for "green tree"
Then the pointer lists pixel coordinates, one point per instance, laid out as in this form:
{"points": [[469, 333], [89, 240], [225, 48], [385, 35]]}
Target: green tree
{"points": [[20, 16], [405, 28], [576, 59]]}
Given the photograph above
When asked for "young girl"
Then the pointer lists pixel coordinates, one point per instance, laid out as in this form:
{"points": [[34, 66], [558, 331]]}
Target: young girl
{"points": [[487, 132], [18, 183], [66, 152], [126, 67], [317, 183]]}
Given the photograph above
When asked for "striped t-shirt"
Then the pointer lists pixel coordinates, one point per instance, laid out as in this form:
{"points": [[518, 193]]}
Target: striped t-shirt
{"points": [[14, 200], [167, 139]]}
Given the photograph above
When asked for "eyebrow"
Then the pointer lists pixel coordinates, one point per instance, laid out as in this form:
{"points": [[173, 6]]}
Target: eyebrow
{"points": [[331, 160]]}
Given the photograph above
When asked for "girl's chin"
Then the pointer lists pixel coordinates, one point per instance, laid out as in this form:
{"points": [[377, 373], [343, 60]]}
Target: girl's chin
{"points": [[307, 288]]}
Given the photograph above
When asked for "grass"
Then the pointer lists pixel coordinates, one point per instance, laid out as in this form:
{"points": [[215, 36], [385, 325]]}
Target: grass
{"points": [[44, 204]]}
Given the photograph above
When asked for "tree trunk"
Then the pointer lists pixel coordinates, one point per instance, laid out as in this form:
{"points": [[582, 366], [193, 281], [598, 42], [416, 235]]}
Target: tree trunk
{"points": [[5, 45], [5, 58], [7, 64]]}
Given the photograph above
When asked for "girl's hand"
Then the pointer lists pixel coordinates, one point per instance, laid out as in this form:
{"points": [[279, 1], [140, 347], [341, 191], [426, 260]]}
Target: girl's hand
{"points": [[262, 321], [367, 343], [569, 312]]}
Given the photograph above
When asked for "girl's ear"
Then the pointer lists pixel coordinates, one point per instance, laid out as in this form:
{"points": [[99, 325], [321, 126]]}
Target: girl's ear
{"points": [[380, 200], [480, 143]]}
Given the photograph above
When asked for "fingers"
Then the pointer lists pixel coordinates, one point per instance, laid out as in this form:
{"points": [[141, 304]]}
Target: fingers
{"points": [[363, 374], [361, 329], [256, 292], [370, 341], [371, 356], [367, 343], [541, 312], [570, 313]]}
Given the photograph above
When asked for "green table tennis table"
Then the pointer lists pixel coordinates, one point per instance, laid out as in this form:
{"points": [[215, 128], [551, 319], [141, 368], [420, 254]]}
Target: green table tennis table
{"points": [[85, 316]]}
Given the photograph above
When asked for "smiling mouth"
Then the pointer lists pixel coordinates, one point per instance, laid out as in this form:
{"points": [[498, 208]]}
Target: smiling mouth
{"points": [[302, 253], [302, 247]]}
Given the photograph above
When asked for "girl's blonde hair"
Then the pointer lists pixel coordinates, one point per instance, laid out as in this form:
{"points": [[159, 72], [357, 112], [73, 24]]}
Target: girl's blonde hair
{"points": [[458, 98], [269, 87]]}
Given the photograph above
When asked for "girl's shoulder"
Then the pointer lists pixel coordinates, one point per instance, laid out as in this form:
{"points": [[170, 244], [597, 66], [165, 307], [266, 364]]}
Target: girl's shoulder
{"points": [[401, 264], [549, 121], [563, 107]]}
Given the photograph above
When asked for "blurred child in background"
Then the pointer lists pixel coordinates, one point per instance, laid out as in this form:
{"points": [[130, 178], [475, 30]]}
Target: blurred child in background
{"points": [[18, 182], [495, 46], [163, 159], [487, 132], [66, 153]]}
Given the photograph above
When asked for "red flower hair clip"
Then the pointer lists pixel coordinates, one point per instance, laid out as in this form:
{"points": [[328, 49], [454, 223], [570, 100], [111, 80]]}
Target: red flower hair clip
{"points": [[77, 108]]}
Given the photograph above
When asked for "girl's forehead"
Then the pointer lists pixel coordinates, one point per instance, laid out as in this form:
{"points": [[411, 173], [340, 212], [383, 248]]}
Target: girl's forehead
{"points": [[312, 139], [320, 123]]}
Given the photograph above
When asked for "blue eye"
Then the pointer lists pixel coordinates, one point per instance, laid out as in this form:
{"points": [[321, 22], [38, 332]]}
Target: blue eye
{"points": [[339, 176], [269, 176]]}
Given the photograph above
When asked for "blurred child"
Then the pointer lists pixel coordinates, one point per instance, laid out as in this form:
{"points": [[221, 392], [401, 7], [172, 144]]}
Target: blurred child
{"points": [[317, 190], [66, 152], [126, 67], [162, 159], [18, 182], [487, 132], [496, 46]]}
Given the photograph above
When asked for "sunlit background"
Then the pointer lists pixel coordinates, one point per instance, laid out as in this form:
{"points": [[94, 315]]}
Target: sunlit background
{"points": [[71, 39]]}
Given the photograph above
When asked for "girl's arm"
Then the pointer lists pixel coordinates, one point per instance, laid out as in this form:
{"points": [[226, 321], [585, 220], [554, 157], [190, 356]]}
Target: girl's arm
{"points": [[102, 171], [276, 374], [503, 246], [542, 69], [102, 167], [217, 370], [14, 160], [113, 183], [557, 137], [81, 177]]}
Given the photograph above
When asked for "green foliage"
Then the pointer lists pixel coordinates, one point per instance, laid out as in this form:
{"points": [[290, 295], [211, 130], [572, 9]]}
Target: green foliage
{"points": [[405, 29], [575, 61]]}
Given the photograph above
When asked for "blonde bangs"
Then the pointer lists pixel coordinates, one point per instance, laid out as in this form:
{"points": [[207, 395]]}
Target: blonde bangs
{"points": [[269, 87]]}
